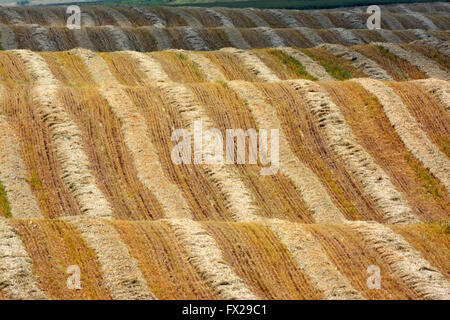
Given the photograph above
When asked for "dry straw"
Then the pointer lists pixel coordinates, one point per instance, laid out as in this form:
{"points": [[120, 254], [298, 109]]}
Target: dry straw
{"points": [[440, 89], [342, 141], [313, 260], [407, 263], [414, 138], [16, 276], [250, 61], [119, 269], [428, 66], [66, 137], [137, 139], [206, 257], [364, 64], [13, 175], [308, 184]]}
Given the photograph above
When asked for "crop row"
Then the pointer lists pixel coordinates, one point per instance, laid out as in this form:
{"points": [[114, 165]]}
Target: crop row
{"points": [[120, 130], [145, 39], [155, 260], [352, 18]]}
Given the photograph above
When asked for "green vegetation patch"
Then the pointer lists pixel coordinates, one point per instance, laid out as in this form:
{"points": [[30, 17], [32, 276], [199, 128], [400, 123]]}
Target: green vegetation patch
{"points": [[440, 227], [430, 184], [36, 185], [331, 65], [191, 65], [292, 64], [5, 208]]}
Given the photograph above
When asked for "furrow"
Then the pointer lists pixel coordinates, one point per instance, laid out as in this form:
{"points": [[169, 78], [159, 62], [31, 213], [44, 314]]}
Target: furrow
{"points": [[405, 261], [254, 64], [313, 261], [364, 64], [110, 38], [414, 138], [342, 141], [312, 67], [228, 111], [424, 64], [120, 270], [110, 158], [67, 138], [353, 258], [17, 280], [205, 255], [135, 131], [13, 175], [312, 190]]}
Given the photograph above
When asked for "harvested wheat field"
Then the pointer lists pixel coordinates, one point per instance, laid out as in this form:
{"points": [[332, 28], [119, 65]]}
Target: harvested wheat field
{"points": [[193, 153]]}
